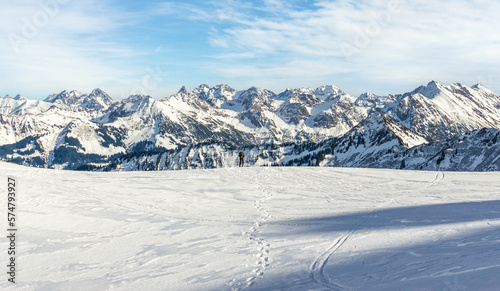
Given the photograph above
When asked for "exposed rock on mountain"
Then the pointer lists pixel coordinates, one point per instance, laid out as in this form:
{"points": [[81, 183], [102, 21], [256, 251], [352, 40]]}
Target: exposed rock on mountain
{"points": [[432, 127]]}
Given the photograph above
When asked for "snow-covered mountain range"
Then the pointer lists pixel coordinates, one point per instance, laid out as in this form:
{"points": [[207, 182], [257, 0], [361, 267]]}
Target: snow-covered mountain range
{"points": [[435, 126]]}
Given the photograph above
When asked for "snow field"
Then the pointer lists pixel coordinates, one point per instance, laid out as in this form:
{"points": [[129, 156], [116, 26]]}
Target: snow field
{"points": [[256, 229]]}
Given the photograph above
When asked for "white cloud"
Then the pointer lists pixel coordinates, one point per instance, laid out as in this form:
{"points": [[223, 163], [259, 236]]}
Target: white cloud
{"points": [[212, 11], [355, 44], [181, 9], [58, 44], [373, 41]]}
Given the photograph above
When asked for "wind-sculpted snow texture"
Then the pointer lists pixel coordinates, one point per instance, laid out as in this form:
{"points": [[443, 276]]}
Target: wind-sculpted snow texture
{"points": [[432, 127], [259, 228]]}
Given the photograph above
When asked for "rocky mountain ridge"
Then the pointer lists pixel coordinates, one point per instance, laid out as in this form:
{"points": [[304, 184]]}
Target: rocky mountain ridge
{"points": [[72, 130]]}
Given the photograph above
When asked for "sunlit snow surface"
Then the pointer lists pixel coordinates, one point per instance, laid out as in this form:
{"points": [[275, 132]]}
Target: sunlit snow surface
{"points": [[255, 229]]}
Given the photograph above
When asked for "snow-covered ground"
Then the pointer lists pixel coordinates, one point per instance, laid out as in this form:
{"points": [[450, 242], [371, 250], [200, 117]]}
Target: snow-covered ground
{"points": [[255, 229]]}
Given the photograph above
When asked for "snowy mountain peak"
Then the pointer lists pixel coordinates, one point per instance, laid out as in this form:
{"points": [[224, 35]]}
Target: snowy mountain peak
{"points": [[368, 96], [255, 96], [484, 91], [250, 117], [327, 89], [258, 92], [97, 100], [374, 101], [253, 89], [98, 93], [224, 87], [66, 98], [287, 94], [224, 90], [203, 91], [328, 92], [138, 98], [19, 97], [478, 86], [202, 88], [215, 96], [431, 90], [294, 93]]}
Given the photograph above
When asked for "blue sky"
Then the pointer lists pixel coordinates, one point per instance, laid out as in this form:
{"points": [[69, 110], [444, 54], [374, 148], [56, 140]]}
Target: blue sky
{"points": [[155, 47]]}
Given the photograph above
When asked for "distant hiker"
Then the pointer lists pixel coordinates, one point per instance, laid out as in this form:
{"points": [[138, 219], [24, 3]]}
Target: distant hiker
{"points": [[242, 158]]}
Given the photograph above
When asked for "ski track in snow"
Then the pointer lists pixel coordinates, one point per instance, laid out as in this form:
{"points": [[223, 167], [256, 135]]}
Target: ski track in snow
{"points": [[438, 178], [317, 268], [257, 229]]}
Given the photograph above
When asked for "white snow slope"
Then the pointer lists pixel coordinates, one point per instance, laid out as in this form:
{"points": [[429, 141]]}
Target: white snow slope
{"points": [[255, 229]]}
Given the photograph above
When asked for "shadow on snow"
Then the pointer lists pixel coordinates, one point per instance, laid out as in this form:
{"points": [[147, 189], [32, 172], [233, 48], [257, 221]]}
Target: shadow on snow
{"points": [[465, 261], [401, 217]]}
